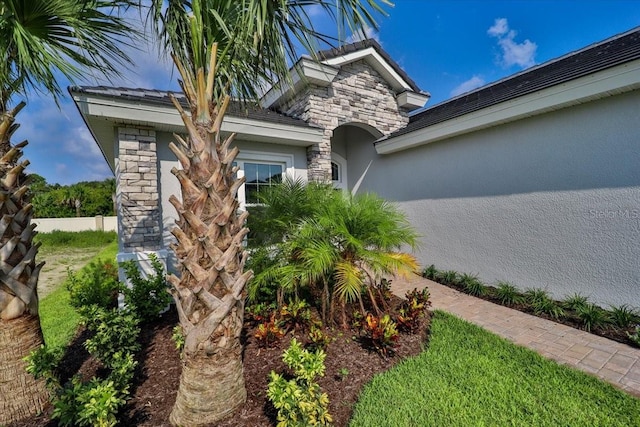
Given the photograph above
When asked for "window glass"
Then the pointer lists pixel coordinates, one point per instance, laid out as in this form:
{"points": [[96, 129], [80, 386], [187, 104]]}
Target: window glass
{"points": [[335, 172], [258, 177]]}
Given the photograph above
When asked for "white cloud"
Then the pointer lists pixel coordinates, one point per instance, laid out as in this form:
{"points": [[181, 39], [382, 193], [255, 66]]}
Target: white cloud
{"points": [[512, 53], [473, 83], [500, 27], [368, 33], [80, 143]]}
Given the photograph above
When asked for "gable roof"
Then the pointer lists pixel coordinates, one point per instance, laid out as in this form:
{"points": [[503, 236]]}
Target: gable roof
{"points": [[327, 55], [323, 71], [160, 97], [601, 56]]}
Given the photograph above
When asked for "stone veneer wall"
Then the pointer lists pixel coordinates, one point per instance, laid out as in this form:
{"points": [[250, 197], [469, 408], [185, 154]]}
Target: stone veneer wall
{"points": [[358, 94], [139, 215]]}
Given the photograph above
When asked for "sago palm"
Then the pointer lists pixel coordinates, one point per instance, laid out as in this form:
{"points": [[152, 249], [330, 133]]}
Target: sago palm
{"points": [[253, 40], [39, 41]]}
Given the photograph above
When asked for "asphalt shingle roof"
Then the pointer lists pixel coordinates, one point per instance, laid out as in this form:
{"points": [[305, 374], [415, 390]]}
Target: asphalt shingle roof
{"points": [[600, 56], [160, 97]]}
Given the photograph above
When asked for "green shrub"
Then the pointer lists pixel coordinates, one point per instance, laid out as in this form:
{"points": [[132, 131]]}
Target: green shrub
{"points": [[260, 312], [381, 332], [592, 316], [269, 332], [93, 404], [318, 338], [178, 337], [96, 284], [472, 285], [114, 331], [295, 315], [623, 316], [413, 309], [508, 294], [575, 302], [300, 401], [430, 272], [146, 297], [122, 366], [43, 363], [449, 277]]}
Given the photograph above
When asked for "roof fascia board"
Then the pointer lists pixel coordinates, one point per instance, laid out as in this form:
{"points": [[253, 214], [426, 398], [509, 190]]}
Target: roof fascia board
{"points": [[411, 100], [154, 115], [305, 71], [378, 63], [605, 83]]}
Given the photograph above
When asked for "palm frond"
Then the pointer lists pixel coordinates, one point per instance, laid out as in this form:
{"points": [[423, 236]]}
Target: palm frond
{"points": [[348, 281], [258, 39], [73, 37]]}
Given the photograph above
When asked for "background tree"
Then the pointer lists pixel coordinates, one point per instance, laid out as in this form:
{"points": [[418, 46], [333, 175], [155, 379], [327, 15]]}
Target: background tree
{"points": [[38, 38], [255, 38]]}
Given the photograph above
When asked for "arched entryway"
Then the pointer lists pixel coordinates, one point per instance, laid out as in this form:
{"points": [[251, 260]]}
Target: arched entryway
{"points": [[352, 154]]}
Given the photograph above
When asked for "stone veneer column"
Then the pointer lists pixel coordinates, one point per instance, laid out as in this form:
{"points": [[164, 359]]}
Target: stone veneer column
{"points": [[139, 215], [358, 94]]}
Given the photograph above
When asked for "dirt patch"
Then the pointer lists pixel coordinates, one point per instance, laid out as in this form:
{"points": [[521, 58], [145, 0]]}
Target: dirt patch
{"points": [[57, 262]]}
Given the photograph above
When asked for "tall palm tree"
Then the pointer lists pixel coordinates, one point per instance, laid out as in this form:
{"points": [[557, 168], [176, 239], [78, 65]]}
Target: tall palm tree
{"points": [[39, 40], [252, 41]]}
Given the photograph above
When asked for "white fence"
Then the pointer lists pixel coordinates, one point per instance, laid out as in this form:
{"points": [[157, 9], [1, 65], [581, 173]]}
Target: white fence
{"points": [[105, 223]]}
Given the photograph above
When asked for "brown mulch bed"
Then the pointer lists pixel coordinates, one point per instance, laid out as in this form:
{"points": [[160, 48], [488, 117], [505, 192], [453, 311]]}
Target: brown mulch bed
{"points": [[349, 366]]}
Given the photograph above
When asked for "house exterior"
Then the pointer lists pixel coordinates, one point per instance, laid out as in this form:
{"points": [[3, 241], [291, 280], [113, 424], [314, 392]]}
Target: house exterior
{"points": [[534, 179]]}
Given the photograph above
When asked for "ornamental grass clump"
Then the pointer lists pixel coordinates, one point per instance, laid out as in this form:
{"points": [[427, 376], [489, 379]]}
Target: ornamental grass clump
{"points": [[623, 316], [542, 303], [472, 285], [575, 302], [592, 316], [508, 294]]}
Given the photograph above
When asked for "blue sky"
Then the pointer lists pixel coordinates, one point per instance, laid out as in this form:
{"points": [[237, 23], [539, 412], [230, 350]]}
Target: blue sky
{"points": [[446, 47]]}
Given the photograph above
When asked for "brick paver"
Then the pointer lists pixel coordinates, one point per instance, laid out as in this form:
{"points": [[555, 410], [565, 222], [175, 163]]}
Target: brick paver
{"points": [[614, 362]]}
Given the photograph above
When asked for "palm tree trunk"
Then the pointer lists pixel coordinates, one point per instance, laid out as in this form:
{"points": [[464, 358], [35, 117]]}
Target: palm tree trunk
{"points": [[209, 294], [20, 333], [21, 395]]}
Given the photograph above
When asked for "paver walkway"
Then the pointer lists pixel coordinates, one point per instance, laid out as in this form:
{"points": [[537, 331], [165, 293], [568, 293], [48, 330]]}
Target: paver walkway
{"points": [[609, 360]]}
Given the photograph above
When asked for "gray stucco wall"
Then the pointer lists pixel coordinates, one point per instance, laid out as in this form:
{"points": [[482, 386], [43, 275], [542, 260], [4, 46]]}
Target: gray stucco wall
{"points": [[551, 201]]}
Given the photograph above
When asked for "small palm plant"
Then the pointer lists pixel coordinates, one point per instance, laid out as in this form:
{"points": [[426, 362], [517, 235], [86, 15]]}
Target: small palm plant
{"points": [[340, 248]]}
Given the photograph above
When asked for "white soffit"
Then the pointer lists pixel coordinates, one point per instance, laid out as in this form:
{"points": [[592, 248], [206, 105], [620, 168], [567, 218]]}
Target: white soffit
{"points": [[305, 71], [377, 62], [166, 118], [602, 84], [411, 100]]}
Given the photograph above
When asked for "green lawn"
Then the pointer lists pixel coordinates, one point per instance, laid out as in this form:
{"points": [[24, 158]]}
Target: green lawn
{"points": [[58, 319], [470, 377]]}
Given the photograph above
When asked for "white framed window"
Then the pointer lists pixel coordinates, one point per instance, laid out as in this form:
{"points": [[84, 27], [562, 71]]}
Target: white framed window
{"points": [[339, 171], [261, 170]]}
